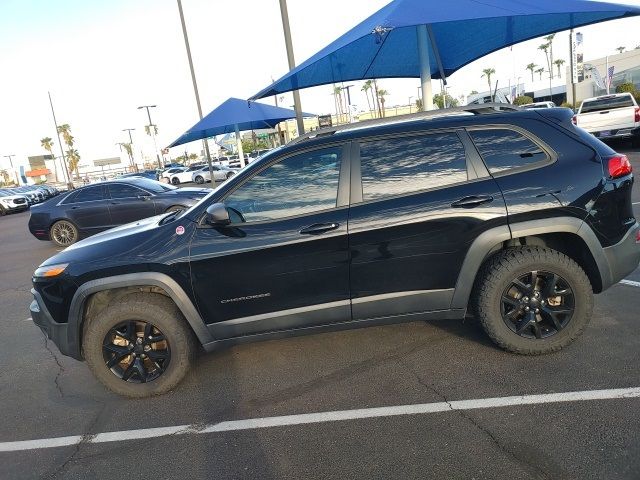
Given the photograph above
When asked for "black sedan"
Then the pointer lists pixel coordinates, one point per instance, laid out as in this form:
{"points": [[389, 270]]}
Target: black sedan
{"points": [[86, 211]]}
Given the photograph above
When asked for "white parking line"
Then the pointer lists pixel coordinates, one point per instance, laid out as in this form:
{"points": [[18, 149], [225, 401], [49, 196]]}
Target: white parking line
{"points": [[630, 282], [321, 417], [636, 203]]}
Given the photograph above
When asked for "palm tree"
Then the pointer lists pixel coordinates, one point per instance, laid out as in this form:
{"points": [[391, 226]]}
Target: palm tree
{"points": [[540, 71], [47, 144], [193, 156], [549, 39], [621, 49], [381, 94], [487, 72], [129, 149], [73, 157], [65, 130], [545, 48], [377, 97], [365, 88], [531, 67], [559, 64]]}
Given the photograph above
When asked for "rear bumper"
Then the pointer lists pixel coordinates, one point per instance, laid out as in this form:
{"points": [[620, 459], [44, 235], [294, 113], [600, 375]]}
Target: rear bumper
{"points": [[60, 333], [617, 133], [623, 257]]}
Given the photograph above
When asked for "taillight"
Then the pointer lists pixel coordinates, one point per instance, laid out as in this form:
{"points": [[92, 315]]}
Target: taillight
{"points": [[637, 114], [619, 166], [574, 120], [638, 236]]}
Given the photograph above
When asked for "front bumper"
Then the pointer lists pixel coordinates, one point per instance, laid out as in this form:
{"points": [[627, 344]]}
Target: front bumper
{"points": [[64, 337], [623, 257]]}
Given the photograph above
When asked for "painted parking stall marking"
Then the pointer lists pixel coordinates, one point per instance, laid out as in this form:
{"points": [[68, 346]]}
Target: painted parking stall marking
{"points": [[321, 417]]}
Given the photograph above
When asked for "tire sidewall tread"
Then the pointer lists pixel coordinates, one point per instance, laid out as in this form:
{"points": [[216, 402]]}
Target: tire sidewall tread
{"points": [[507, 265], [153, 308]]}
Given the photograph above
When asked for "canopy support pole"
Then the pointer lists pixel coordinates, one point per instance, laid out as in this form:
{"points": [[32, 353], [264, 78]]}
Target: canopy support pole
{"points": [[425, 67], [436, 53], [239, 144]]}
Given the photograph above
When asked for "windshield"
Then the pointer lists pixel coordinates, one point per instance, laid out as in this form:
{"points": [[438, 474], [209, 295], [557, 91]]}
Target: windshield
{"points": [[152, 185], [606, 104]]}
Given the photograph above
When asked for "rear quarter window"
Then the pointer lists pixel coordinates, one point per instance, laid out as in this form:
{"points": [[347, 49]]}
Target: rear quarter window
{"points": [[503, 149], [606, 104]]}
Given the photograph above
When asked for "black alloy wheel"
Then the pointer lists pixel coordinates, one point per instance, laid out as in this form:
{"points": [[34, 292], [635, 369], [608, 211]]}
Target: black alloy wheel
{"points": [[136, 351], [175, 181], [537, 304]]}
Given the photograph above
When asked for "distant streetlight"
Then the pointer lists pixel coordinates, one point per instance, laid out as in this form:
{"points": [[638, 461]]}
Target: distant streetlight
{"points": [[152, 131], [205, 143], [11, 163]]}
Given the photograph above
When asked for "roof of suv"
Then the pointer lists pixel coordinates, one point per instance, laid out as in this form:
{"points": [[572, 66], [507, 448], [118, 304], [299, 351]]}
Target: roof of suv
{"points": [[459, 116]]}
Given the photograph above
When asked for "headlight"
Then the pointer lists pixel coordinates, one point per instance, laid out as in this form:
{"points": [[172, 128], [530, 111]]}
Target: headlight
{"points": [[50, 270]]}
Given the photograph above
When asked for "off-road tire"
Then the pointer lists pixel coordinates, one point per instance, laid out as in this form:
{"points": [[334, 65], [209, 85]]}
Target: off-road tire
{"points": [[495, 276], [162, 313]]}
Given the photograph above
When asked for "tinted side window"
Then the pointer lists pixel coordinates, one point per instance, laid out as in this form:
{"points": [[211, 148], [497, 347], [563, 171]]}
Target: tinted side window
{"points": [[125, 191], [400, 166], [89, 194], [504, 149], [297, 185]]}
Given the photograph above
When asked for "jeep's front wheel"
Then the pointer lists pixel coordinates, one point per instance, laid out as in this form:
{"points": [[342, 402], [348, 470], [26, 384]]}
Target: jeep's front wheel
{"points": [[533, 300], [140, 346]]}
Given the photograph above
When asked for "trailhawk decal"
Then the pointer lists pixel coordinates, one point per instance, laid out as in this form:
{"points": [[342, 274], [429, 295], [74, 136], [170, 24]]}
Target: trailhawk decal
{"points": [[248, 297]]}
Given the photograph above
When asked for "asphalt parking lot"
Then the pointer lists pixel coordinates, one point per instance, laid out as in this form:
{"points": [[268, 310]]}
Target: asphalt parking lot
{"points": [[45, 395]]}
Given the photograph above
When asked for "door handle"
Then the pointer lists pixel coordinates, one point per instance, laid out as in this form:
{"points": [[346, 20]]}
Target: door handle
{"points": [[473, 201], [318, 228]]}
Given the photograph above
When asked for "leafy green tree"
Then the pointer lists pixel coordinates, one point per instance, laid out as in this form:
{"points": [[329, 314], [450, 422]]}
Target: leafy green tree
{"points": [[439, 99], [523, 100]]}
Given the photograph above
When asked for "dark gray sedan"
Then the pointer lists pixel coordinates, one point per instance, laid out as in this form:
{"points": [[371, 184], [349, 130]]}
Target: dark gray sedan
{"points": [[86, 211]]}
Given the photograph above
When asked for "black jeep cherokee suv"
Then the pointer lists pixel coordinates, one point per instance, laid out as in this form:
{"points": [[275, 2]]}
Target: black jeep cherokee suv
{"points": [[515, 216]]}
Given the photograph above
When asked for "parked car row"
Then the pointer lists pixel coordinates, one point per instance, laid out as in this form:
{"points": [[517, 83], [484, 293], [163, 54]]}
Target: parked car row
{"points": [[16, 199]]}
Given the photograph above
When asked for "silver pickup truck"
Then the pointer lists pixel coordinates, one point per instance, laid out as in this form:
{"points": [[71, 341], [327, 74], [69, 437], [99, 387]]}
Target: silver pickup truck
{"points": [[610, 116]]}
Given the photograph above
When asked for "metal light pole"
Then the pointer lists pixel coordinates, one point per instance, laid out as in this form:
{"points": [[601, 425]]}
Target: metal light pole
{"points": [[195, 90], [129, 130], [152, 131], [64, 160], [11, 163], [292, 63]]}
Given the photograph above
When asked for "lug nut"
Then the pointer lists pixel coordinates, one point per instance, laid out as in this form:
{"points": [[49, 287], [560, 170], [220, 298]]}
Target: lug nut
{"points": [[147, 348], [526, 309]]}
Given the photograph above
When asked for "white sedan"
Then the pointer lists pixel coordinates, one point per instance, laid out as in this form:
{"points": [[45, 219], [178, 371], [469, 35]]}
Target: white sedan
{"points": [[184, 176], [220, 174]]}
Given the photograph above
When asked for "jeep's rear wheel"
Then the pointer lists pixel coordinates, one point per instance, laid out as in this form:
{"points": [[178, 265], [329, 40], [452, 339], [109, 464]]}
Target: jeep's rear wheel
{"points": [[533, 300], [139, 346]]}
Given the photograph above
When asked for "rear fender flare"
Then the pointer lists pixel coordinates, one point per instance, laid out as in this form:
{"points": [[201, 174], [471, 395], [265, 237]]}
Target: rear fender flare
{"points": [[489, 240]]}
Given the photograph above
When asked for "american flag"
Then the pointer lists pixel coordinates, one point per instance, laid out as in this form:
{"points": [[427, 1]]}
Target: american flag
{"points": [[610, 76]]}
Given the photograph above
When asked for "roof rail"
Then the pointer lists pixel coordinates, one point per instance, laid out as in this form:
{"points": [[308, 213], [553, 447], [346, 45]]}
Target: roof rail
{"points": [[479, 109]]}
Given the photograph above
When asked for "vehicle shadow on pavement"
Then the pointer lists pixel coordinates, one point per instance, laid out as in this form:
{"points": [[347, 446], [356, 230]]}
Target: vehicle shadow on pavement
{"points": [[468, 329]]}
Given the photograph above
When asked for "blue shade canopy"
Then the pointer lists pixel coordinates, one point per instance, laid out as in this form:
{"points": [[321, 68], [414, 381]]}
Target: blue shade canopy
{"points": [[235, 112], [385, 44]]}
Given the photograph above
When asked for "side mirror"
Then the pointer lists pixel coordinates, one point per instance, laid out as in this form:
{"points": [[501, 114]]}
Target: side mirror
{"points": [[217, 215]]}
